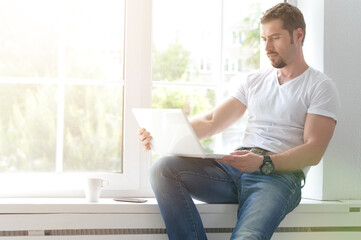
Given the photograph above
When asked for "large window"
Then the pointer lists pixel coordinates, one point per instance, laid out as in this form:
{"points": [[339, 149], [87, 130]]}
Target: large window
{"points": [[63, 84]]}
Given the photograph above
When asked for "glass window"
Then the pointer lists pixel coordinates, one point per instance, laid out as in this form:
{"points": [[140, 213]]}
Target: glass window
{"points": [[62, 84], [61, 69]]}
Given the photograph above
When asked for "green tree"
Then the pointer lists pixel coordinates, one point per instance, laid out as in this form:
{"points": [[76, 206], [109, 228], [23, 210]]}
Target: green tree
{"points": [[93, 129], [171, 64], [252, 35], [28, 128]]}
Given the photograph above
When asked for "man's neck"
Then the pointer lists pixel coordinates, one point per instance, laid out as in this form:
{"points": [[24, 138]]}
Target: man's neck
{"points": [[291, 71]]}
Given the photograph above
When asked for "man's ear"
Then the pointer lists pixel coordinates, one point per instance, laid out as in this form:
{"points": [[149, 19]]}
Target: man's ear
{"points": [[299, 34]]}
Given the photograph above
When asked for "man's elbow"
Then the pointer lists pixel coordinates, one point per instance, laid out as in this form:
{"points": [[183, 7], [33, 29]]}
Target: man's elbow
{"points": [[315, 161], [317, 156], [316, 149]]}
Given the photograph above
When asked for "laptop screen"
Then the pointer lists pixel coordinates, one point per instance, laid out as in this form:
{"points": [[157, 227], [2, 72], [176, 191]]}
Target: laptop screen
{"points": [[171, 131]]}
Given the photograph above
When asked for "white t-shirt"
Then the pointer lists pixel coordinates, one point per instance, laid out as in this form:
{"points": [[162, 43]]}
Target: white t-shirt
{"points": [[277, 113]]}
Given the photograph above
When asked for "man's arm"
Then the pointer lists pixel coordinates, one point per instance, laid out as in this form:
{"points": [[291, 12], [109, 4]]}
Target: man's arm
{"points": [[209, 124], [317, 134], [219, 118]]}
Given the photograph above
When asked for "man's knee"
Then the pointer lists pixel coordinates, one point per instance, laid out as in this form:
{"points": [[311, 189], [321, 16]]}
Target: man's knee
{"points": [[162, 168]]}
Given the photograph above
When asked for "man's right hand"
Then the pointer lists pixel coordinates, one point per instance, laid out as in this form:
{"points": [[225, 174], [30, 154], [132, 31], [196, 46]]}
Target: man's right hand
{"points": [[145, 138]]}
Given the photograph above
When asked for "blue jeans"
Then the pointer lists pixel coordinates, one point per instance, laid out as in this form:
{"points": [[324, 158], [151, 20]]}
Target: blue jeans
{"points": [[263, 201]]}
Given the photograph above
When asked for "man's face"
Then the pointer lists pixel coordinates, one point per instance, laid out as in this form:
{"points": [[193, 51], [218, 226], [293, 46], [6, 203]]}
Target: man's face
{"points": [[279, 45]]}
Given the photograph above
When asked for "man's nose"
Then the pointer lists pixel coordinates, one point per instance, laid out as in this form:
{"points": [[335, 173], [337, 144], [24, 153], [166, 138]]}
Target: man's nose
{"points": [[268, 46]]}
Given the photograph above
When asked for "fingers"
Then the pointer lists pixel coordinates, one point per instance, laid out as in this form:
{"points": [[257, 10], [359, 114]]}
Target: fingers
{"points": [[145, 138], [226, 159], [141, 131], [239, 152], [230, 159], [243, 160]]}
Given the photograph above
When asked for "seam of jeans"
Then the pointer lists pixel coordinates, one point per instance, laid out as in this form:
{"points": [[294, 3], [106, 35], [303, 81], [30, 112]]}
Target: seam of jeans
{"points": [[188, 208], [202, 175], [297, 202], [284, 211], [225, 169]]}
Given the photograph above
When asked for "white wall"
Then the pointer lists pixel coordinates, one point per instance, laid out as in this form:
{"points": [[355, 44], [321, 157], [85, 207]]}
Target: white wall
{"points": [[336, 49], [313, 12]]}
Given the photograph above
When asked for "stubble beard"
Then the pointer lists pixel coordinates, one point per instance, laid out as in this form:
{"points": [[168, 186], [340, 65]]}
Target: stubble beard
{"points": [[278, 64]]}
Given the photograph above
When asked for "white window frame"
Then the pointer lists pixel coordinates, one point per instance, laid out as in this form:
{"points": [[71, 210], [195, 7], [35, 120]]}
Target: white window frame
{"points": [[137, 93]]}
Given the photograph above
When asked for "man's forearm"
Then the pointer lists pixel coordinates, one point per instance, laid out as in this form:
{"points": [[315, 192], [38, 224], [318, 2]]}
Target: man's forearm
{"points": [[218, 119], [202, 126], [297, 158]]}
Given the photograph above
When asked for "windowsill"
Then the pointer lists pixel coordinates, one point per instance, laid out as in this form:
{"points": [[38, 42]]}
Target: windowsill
{"points": [[108, 205], [33, 214]]}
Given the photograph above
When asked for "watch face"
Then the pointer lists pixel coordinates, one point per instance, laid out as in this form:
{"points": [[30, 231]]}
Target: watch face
{"points": [[267, 168]]}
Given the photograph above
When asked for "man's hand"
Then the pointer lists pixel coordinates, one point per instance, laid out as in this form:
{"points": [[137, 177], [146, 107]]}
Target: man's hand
{"points": [[243, 160], [145, 138]]}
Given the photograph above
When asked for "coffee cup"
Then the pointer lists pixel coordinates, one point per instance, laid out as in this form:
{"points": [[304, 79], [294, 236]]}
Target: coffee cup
{"points": [[94, 187]]}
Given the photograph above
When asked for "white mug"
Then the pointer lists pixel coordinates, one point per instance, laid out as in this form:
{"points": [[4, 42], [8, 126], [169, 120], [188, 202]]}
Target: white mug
{"points": [[94, 187]]}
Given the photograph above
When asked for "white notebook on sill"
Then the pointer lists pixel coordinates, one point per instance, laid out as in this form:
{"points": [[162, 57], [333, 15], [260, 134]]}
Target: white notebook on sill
{"points": [[171, 132]]}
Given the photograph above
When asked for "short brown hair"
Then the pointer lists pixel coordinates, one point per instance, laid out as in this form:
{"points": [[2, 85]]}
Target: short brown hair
{"points": [[291, 17]]}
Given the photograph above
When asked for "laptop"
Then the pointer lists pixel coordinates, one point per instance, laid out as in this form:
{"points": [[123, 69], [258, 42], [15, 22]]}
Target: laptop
{"points": [[171, 132]]}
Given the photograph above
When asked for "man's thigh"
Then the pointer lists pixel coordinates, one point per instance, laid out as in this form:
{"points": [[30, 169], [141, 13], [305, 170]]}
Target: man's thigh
{"points": [[204, 179], [264, 202]]}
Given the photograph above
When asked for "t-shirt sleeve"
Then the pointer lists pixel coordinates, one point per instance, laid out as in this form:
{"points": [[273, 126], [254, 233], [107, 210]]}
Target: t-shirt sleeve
{"points": [[240, 92], [325, 100]]}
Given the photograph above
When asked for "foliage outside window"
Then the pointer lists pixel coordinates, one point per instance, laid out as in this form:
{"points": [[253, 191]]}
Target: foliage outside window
{"points": [[61, 85]]}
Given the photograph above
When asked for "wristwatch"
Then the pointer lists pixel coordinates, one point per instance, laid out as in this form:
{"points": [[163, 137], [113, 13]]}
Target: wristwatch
{"points": [[267, 167]]}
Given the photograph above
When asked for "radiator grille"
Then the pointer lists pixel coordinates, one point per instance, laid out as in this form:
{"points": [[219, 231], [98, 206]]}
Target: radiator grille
{"points": [[13, 233], [105, 231], [142, 231]]}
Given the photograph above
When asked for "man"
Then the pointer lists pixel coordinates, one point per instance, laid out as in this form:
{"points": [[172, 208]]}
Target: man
{"points": [[292, 116]]}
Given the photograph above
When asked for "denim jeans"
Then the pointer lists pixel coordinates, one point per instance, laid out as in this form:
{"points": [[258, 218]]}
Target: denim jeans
{"points": [[263, 201]]}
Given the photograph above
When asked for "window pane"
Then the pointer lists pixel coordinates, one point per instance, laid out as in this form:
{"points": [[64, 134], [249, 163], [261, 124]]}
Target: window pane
{"points": [[241, 35], [29, 32], [93, 34], [193, 101], [93, 128], [76, 39], [185, 40], [45, 48], [27, 128]]}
